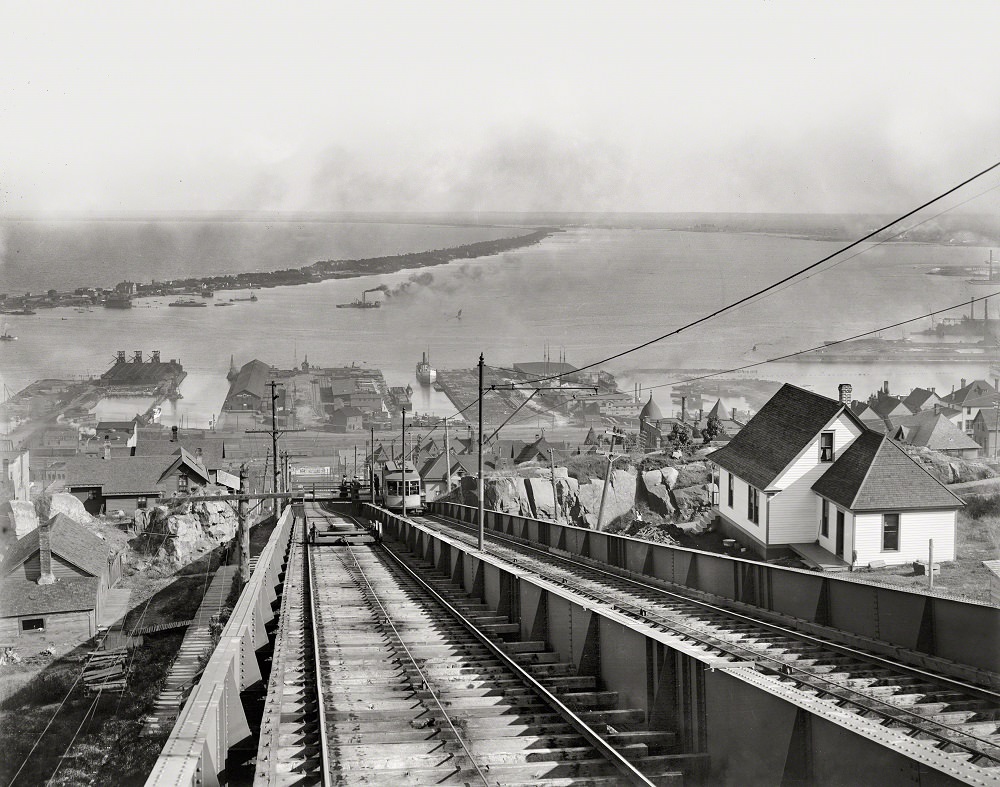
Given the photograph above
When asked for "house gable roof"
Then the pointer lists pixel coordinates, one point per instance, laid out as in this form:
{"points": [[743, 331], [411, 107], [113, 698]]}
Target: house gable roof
{"points": [[69, 540], [777, 434], [876, 474], [719, 411], [21, 597], [918, 397], [935, 432], [139, 475], [974, 390], [252, 379]]}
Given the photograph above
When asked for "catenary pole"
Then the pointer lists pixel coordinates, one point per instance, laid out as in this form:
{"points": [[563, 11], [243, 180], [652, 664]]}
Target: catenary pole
{"points": [[402, 452], [479, 484]]}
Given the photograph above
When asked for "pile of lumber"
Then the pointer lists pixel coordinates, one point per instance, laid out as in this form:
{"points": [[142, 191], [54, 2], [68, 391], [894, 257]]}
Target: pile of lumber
{"points": [[106, 670]]}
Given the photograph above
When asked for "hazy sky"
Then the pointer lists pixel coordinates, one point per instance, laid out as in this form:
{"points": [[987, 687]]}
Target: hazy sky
{"points": [[660, 106]]}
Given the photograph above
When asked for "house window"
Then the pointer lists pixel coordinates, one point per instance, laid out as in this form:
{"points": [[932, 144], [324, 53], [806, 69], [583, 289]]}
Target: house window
{"points": [[824, 519], [753, 505], [826, 447], [140, 502], [730, 489], [182, 483], [890, 532], [33, 624]]}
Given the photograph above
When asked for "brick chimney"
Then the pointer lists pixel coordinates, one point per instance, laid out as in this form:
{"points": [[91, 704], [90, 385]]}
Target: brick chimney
{"points": [[844, 392], [45, 555], [173, 433], [963, 383], [683, 408], [885, 387], [107, 448]]}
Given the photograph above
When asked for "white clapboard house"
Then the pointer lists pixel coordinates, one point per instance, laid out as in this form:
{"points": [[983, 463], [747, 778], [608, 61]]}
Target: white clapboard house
{"points": [[806, 476]]}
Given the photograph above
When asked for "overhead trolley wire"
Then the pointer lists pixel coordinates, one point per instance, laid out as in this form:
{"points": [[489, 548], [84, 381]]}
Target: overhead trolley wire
{"points": [[780, 282], [554, 409]]}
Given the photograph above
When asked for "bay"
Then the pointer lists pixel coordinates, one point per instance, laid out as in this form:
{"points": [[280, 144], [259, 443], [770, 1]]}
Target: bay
{"points": [[590, 292]]}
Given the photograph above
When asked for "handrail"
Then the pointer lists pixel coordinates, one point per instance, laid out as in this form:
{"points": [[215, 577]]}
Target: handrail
{"points": [[212, 719]]}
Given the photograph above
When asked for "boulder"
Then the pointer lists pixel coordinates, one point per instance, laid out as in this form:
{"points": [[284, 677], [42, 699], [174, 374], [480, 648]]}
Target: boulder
{"points": [[620, 499], [692, 474], [23, 517], [670, 476], [657, 493], [539, 497], [181, 534], [71, 506], [691, 500]]}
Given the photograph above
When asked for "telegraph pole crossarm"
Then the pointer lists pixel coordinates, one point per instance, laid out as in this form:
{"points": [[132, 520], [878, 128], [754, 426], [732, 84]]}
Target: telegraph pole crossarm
{"points": [[274, 431]]}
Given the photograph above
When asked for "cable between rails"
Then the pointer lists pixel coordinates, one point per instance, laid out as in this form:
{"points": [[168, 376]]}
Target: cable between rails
{"points": [[413, 660]]}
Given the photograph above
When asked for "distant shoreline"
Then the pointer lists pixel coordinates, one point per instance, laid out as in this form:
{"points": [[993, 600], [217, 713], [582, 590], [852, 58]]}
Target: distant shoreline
{"points": [[307, 274]]}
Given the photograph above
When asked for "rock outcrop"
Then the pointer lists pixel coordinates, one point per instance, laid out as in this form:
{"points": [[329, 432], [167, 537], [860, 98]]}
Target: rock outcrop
{"points": [[182, 533], [662, 492], [65, 503], [23, 517]]}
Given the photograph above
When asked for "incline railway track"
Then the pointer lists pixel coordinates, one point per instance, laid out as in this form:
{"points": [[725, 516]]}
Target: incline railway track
{"points": [[959, 721], [380, 677]]}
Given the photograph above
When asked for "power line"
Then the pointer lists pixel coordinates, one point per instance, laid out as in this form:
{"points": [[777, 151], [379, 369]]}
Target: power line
{"points": [[785, 357], [780, 282]]}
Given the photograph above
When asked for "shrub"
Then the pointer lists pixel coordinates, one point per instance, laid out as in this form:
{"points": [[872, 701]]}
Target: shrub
{"points": [[979, 506]]}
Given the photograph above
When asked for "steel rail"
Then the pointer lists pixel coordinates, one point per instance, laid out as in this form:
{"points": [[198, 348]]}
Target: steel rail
{"points": [[324, 744], [426, 683], [971, 688], [605, 749], [919, 724]]}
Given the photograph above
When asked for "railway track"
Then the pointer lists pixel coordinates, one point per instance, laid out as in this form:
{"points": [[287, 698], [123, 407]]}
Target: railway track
{"points": [[959, 722], [383, 678]]}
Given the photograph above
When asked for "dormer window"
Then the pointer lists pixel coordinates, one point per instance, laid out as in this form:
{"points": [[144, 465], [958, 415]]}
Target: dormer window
{"points": [[826, 446]]}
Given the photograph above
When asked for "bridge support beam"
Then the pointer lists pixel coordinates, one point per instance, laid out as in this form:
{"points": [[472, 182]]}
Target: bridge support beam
{"points": [[749, 727]]}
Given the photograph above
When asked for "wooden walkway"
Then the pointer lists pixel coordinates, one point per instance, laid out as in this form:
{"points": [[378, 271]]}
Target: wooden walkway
{"points": [[818, 558], [187, 664]]}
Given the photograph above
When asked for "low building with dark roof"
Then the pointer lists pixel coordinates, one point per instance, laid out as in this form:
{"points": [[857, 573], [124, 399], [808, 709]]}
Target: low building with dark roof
{"points": [[805, 475], [933, 430], [132, 483], [347, 419], [54, 582], [249, 391], [878, 504]]}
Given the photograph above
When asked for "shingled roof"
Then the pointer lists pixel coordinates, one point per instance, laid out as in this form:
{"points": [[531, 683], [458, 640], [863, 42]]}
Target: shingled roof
{"points": [[935, 432], [777, 434], [876, 474], [134, 475], [69, 540], [20, 597]]}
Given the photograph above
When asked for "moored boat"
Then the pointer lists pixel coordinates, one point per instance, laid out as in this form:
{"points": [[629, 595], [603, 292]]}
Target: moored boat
{"points": [[188, 302], [426, 374]]}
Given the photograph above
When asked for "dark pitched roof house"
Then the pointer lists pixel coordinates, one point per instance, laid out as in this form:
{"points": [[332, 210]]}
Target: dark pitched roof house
{"points": [[974, 390], [876, 474], [133, 475], [933, 431], [777, 434], [69, 540], [920, 398], [20, 597], [251, 382]]}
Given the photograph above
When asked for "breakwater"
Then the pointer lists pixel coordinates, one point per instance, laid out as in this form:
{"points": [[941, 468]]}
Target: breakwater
{"points": [[307, 274]]}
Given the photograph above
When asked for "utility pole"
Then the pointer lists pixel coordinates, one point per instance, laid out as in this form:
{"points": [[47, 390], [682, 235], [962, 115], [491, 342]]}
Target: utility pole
{"points": [[244, 529], [275, 434], [371, 480], [447, 457], [402, 451], [555, 494], [996, 438], [479, 484], [607, 482]]}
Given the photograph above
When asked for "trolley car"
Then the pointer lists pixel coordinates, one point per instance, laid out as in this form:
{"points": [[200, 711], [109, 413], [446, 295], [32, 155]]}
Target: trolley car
{"points": [[390, 491]]}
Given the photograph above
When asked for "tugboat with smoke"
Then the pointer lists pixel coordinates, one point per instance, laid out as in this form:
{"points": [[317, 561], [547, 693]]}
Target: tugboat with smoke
{"points": [[364, 303]]}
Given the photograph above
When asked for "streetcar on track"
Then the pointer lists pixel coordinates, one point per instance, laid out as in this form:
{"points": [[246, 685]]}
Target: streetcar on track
{"points": [[390, 492]]}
